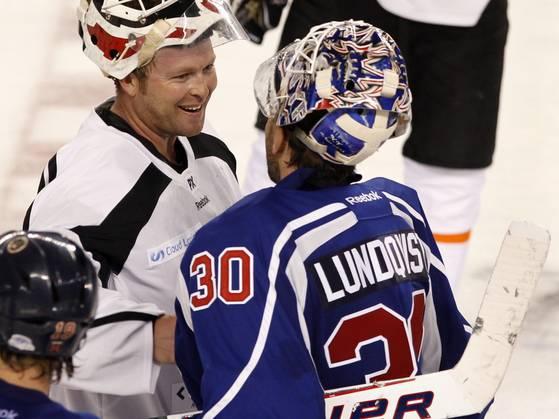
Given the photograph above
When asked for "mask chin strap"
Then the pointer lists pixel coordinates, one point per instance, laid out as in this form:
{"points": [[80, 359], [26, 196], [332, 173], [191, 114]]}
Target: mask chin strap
{"points": [[403, 127], [372, 138], [390, 83], [323, 83], [82, 9], [153, 39]]}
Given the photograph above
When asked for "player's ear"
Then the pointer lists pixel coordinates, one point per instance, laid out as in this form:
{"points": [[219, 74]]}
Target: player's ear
{"points": [[130, 84], [279, 139]]}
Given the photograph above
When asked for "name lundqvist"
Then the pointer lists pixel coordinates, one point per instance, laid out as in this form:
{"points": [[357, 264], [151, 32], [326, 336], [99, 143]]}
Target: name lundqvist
{"points": [[376, 263]]}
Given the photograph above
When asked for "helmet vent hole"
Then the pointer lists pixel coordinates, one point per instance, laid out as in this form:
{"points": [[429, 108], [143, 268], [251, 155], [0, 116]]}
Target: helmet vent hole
{"points": [[93, 39], [349, 85], [113, 53]]}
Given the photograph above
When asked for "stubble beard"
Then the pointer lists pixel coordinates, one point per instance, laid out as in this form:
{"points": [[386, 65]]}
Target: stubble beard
{"points": [[271, 162], [273, 169]]}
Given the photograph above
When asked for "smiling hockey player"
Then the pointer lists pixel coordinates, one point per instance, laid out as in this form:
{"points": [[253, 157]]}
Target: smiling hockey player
{"points": [[141, 176]]}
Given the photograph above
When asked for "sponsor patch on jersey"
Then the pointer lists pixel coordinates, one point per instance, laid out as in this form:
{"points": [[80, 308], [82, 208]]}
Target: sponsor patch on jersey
{"points": [[370, 265], [362, 198], [172, 248]]}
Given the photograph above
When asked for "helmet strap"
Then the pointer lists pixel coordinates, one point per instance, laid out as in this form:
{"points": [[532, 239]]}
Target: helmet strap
{"points": [[152, 41]]}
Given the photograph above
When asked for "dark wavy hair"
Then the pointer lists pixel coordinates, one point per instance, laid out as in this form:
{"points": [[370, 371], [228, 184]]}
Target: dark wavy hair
{"points": [[47, 366]]}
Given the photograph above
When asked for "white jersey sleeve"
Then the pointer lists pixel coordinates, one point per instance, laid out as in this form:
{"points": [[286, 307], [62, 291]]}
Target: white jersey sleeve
{"points": [[123, 329]]}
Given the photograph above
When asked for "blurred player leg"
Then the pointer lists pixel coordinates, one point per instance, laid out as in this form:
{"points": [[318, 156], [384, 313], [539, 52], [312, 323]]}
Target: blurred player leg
{"points": [[451, 199], [455, 74]]}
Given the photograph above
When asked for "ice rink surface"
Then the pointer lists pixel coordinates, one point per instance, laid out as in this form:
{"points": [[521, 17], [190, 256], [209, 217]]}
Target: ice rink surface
{"points": [[49, 87]]}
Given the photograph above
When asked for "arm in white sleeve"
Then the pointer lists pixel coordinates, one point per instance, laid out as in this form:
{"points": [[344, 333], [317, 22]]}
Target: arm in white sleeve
{"points": [[117, 355]]}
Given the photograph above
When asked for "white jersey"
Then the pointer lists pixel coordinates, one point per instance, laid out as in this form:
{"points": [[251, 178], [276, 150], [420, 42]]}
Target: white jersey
{"points": [[438, 12], [135, 213]]}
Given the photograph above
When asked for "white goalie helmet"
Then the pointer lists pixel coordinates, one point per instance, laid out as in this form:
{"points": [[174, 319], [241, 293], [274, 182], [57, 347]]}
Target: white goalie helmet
{"points": [[120, 36], [352, 77]]}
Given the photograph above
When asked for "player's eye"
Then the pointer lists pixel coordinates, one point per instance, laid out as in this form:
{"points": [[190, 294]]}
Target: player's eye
{"points": [[182, 76]]}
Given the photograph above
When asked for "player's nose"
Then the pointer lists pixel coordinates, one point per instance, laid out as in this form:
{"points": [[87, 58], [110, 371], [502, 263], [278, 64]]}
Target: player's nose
{"points": [[200, 88]]}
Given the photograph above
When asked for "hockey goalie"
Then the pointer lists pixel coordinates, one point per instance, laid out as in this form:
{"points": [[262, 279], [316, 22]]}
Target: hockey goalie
{"points": [[323, 282]]}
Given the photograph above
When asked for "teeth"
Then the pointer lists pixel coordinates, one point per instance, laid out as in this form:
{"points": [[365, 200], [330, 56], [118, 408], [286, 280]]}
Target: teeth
{"points": [[191, 108]]}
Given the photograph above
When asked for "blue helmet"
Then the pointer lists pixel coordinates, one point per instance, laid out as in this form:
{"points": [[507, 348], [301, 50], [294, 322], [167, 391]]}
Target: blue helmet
{"points": [[352, 72], [48, 294]]}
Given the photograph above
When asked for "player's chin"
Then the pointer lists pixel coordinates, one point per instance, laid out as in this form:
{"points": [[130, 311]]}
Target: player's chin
{"points": [[192, 125]]}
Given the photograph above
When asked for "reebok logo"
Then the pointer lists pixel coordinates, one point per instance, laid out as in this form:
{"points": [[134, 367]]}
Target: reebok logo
{"points": [[202, 202], [364, 197], [8, 414], [191, 183]]}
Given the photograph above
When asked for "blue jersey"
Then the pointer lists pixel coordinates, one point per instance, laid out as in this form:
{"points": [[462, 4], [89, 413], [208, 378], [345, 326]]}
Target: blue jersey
{"points": [[293, 291], [22, 403]]}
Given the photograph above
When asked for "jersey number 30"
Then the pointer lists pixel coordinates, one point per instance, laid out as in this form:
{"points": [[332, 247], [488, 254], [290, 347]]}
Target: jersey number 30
{"points": [[401, 338], [231, 280]]}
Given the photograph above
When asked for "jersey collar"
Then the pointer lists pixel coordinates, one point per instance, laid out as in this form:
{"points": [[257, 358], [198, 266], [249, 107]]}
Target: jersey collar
{"points": [[296, 180], [299, 180], [112, 119]]}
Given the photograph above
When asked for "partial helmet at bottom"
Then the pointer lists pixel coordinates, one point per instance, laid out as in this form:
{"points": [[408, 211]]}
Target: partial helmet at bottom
{"points": [[48, 294]]}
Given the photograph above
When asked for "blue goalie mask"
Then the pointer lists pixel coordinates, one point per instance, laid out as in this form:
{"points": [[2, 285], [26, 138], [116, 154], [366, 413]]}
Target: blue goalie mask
{"points": [[354, 75]]}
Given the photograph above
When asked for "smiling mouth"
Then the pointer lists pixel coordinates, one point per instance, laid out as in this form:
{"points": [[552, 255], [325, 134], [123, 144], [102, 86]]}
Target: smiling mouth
{"points": [[191, 109]]}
